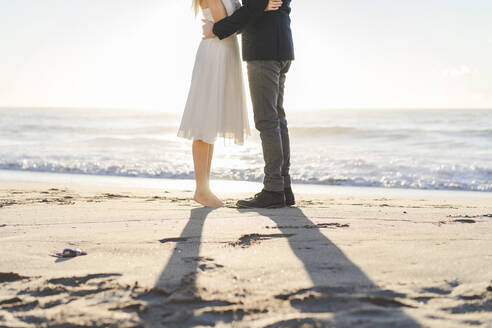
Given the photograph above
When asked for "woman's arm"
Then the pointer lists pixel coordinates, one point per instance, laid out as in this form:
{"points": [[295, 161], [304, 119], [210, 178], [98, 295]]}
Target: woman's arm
{"points": [[217, 8]]}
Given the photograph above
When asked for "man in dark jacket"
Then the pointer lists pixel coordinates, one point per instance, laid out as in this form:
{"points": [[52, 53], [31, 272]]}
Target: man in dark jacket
{"points": [[268, 49]]}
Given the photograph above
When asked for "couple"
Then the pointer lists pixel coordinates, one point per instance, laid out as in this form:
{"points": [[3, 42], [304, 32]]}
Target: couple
{"points": [[216, 105]]}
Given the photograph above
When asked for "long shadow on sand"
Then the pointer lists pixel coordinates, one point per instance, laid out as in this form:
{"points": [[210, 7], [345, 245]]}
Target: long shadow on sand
{"points": [[339, 286], [175, 297]]}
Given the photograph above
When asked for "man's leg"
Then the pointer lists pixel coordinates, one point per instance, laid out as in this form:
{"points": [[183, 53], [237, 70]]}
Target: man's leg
{"points": [[284, 131], [264, 81]]}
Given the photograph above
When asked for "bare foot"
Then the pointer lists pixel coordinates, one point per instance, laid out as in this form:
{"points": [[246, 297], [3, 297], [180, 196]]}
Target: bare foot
{"points": [[207, 199]]}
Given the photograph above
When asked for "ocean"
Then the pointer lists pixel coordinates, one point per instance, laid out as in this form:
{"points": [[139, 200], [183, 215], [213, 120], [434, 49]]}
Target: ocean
{"points": [[412, 149]]}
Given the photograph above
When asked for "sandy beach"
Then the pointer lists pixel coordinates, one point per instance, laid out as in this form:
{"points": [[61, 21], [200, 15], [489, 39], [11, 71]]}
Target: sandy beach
{"points": [[156, 259], [378, 114]]}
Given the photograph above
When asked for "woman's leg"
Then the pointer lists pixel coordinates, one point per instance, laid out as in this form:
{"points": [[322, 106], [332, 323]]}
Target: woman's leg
{"points": [[210, 156], [202, 157]]}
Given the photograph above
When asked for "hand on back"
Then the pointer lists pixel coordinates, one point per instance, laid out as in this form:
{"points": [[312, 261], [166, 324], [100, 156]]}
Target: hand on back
{"points": [[273, 5]]}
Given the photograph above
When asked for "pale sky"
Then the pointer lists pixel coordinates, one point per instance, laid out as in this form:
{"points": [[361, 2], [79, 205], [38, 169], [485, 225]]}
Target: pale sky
{"points": [[350, 54]]}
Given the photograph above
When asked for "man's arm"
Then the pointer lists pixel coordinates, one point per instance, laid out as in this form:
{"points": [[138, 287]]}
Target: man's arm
{"points": [[230, 25]]}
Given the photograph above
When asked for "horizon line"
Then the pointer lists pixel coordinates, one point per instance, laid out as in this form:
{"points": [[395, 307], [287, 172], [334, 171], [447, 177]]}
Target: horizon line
{"points": [[291, 109]]}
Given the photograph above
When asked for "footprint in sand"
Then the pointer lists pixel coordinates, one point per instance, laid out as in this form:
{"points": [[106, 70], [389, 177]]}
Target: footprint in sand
{"points": [[11, 277], [255, 238]]}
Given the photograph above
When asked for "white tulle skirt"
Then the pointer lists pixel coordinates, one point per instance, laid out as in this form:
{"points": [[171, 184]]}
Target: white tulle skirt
{"points": [[216, 105]]}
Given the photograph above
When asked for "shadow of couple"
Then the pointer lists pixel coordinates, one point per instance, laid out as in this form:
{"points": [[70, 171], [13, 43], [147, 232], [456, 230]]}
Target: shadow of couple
{"points": [[341, 294]]}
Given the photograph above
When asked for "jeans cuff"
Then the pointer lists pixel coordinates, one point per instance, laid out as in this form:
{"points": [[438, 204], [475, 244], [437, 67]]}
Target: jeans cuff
{"points": [[287, 181], [274, 184]]}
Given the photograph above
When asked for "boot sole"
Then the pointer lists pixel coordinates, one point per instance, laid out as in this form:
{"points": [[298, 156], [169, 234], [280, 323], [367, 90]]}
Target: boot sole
{"points": [[271, 206]]}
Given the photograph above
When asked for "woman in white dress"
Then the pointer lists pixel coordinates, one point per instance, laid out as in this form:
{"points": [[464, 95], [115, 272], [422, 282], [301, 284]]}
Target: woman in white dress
{"points": [[216, 105]]}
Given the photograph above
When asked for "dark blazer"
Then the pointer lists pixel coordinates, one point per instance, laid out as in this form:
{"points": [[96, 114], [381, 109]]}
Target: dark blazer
{"points": [[265, 35]]}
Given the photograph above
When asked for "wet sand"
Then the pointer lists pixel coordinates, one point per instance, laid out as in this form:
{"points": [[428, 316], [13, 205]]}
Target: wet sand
{"points": [[156, 259]]}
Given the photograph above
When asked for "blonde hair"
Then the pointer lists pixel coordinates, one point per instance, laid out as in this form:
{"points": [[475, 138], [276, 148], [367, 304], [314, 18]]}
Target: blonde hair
{"points": [[196, 6]]}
